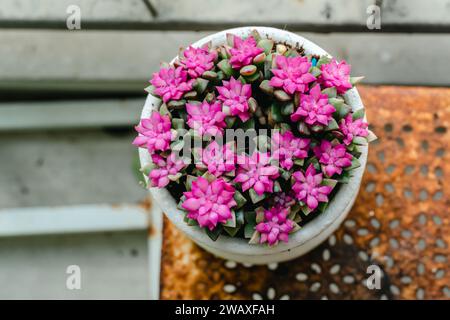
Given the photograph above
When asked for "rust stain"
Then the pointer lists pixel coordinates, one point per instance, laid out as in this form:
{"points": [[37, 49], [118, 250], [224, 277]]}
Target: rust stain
{"points": [[146, 204], [152, 231]]}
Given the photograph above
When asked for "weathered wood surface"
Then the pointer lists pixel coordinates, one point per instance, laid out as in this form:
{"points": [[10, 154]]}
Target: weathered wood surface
{"points": [[113, 266], [72, 219], [124, 60], [70, 114], [68, 168], [313, 15], [44, 169], [89, 220], [44, 12]]}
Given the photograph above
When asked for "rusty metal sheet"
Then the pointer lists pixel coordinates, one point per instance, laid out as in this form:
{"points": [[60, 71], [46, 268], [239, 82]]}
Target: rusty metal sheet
{"points": [[400, 221]]}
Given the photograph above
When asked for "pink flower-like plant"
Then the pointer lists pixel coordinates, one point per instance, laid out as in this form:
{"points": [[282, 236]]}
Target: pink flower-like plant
{"points": [[243, 51], [308, 188], [353, 128], [198, 60], [286, 147], [155, 133], [218, 159], [292, 74], [336, 75], [160, 176], [209, 203], [235, 95], [311, 147], [275, 226], [206, 118], [314, 108], [171, 83], [333, 157], [257, 172]]}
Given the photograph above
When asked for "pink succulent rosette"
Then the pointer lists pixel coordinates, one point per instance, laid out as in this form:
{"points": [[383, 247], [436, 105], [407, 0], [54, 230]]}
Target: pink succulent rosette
{"points": [[171, 83], [353, 128], [336, 75], [217, 159], [309, 189], [257, 172], [314, 108], [171, 166], [292, 74], [255, 193], [275, 226], [243, 51], [235, 95], [209, 203], [154, 133], [286, 148], [206, 118], [333, 157], [198, 60]]}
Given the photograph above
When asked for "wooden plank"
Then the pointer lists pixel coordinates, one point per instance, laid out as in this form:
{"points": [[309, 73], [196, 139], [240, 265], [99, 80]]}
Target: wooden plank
{"points": [[56, 11], [62, 168], [72, 219], [311, 15], [154, 246], [86, 55], [42, 221], [431, 13], [70, 114], [94, 60], [59, 86], [113, 265], [406, 59], [306, 15]]}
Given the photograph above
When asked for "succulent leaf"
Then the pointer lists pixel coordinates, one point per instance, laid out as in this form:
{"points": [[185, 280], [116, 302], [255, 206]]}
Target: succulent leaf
{"points": [[332, 125], [266, 87], [231, 223], [323, 60], [249, 229], [214, 234], [358, 114], [248, 70], [210, 75], [200, 85], [254, 239], [225, 66], [255, 197], [282, 96], [266, 44], [356, 80], [240, 199]]}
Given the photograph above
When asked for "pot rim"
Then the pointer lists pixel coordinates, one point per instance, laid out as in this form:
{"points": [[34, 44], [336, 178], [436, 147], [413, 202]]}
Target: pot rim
{"points": [[339, 205]]}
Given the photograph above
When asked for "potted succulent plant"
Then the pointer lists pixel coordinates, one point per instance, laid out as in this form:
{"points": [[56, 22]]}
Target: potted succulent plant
{"points": [[287, 187]]}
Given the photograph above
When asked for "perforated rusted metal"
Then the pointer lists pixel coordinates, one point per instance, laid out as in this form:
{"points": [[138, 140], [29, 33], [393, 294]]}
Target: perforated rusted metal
{"points": [[400, 221]]}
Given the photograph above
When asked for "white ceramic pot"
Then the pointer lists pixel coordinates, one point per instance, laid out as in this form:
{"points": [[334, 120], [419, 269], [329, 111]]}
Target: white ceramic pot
{"points": [[300, 242]]}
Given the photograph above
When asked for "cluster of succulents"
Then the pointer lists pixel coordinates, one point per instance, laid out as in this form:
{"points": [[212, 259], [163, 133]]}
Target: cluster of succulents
{"points": [[265, 193]]}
